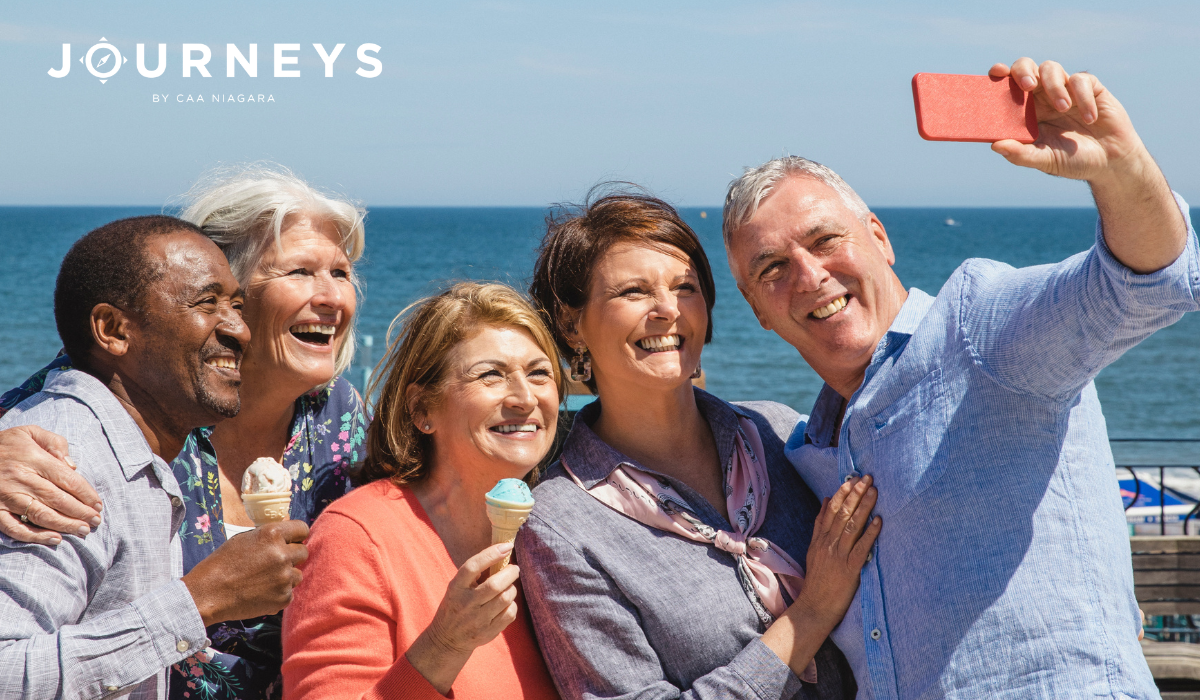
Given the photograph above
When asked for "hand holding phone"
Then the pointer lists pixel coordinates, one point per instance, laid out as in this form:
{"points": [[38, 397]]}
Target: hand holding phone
{"points": [[978, 108]]}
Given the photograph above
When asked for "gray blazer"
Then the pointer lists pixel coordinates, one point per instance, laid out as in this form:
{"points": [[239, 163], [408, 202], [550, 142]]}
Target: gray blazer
{"points": [[623, 610]]}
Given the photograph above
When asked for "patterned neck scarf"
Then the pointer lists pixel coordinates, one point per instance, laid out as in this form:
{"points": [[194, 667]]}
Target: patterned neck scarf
{"points": [[762, 568]]}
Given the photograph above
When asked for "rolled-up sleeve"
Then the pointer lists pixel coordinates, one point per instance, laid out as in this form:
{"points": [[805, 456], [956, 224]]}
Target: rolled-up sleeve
{"points": [[593, 642], [1050, 329], [46, 652]]}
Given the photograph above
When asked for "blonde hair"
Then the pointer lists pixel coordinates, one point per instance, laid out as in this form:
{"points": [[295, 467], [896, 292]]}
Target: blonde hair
{"points": [[243, 208], [428, 330]]}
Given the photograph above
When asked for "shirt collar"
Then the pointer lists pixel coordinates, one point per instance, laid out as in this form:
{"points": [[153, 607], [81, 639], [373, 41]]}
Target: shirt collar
{"points": [[823, 421], [128, 444], [592, 460]]}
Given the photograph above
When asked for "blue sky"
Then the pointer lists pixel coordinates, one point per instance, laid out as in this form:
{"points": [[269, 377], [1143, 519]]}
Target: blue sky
{"points": [[527, 103]]}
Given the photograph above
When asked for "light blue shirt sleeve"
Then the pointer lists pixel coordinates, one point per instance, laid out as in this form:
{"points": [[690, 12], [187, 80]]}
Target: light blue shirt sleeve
{"points": [[47, 590], [1049, 329]]}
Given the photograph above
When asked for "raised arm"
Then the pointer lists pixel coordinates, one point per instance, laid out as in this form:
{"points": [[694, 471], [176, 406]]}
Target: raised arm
{"points": [[1085, 134]]}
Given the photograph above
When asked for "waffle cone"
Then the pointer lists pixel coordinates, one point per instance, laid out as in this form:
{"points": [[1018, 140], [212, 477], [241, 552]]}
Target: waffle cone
{"points": [[266, 508], [506, 520]]}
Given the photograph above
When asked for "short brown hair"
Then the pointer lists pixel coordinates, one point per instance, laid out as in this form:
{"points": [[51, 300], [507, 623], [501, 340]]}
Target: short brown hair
{"points": [[578, 236], [429, 329]]}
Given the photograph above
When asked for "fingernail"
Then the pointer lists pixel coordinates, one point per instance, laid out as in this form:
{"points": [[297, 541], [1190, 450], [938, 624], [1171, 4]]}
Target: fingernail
{"points": [[1028, 82], [505, 546], [84, 531], [98, 506], [1062, 105], [69, 461], [95, 522], [53, 542]]}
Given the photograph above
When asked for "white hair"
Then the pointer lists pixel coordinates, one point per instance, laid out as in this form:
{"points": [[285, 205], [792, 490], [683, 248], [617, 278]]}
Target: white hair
{"points": [[747, 192], [243, 208]]}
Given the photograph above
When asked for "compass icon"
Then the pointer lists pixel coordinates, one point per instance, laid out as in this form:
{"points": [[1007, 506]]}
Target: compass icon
{"points": [[103, 60]]}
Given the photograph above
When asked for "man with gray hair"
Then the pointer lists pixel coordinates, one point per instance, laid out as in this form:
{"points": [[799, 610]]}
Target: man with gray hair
{"points": [[1003, 568]]}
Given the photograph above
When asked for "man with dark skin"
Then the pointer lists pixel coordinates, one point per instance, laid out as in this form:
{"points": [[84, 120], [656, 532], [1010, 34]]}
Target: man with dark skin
{"points": [[107, 614]]}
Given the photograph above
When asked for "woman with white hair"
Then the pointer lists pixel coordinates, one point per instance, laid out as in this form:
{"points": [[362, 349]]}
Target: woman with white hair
{"points": [[292, 249]]}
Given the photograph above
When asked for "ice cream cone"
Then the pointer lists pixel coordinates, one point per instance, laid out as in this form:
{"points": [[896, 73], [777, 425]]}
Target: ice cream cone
{"points": [[266, 508], [507, 518]]}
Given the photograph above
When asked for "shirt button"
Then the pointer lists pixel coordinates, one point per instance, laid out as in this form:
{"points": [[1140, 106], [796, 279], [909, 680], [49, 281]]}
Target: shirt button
{"points": [[182, 645], [847, 479], [870, 556], [176, 501], [111, 688], [876, 634]]}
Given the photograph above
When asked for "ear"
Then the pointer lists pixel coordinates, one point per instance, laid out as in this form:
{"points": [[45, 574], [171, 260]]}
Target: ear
{"points": [[762, 321], [880, 237], [111, 329], [412, 399]]}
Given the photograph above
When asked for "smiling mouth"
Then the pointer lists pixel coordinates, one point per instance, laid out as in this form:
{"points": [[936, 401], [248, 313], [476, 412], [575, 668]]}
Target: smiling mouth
{"points": [[832, 307], [222, 363], [660, 343], [515, 428], [315, 333]]}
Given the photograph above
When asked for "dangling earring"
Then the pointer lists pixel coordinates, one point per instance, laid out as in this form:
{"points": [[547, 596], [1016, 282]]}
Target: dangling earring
{"points": [[698, 373], [581, 365]]}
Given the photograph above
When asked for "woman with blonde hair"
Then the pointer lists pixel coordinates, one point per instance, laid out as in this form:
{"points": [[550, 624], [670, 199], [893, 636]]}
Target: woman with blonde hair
{"points": [[292, 248], [394, 601]]}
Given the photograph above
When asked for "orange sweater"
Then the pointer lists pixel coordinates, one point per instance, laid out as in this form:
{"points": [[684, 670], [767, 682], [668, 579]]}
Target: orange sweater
{"points": [[376, 573]]}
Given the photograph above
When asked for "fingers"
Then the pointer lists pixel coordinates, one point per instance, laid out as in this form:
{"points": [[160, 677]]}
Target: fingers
{"points": [[1054, 84], [1083, 92], [1026, 155], [469, 572], [1025, 72], [82, 500], [23, 532], [297, 554], [53, 443], [862, 548], [292, 531], [835, 502], [844, 517], [999, 70], [44, 516]]}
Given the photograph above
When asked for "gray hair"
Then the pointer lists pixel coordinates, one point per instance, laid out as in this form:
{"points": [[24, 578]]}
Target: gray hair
{"points": [[243, 209], [747, 192]]}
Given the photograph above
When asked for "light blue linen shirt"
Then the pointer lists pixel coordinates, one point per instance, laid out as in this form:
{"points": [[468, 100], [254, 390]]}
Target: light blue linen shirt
{"points": [[101, 616], [1003, 569]]}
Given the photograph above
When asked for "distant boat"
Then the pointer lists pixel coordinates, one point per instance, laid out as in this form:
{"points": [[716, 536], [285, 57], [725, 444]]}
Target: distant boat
{"points": [[952, 222]]}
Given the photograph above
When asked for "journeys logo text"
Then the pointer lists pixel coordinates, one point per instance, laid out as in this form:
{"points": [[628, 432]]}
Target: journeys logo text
{"points": [[104, 60]]}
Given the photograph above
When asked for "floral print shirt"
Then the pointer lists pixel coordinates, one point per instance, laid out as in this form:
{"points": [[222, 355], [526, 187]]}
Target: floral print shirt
{"points": [[327, 435]]}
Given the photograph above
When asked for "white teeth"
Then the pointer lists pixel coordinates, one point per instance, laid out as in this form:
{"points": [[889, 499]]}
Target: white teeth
{"points": [[522, 428], [659, 343], [314, 328], [831, 308], [222, 362]]}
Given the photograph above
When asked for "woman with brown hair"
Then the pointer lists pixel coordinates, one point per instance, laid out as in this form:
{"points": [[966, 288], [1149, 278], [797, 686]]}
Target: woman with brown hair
{"points": [[391, 604], [661, 560]]}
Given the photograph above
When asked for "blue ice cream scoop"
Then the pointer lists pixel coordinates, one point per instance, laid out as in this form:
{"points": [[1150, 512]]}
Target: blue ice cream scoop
{"points": [[510, 491]]}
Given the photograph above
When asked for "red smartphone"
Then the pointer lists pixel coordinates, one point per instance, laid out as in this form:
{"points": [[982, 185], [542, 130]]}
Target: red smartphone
{"points": [[972, 108]]}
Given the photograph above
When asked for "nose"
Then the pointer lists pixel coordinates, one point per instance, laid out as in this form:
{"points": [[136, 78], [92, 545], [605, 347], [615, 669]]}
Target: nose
{"points": [[232, 325], [328, 292], [666, 306], [810, 274], [520, 393]]}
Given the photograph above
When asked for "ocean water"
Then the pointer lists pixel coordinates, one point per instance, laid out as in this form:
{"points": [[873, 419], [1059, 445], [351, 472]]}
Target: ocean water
{"points": [[1151, 392]]}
